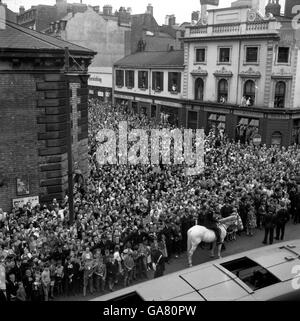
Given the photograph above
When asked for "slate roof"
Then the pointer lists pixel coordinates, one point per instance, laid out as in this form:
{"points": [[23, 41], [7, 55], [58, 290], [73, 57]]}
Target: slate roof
{"points": [[153, 59], [15, 37]]}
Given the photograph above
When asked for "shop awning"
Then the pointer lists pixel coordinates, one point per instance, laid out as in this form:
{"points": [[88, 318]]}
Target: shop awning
{"points": [[244, 121], [254, 122], [222, 118], [212, 117]]}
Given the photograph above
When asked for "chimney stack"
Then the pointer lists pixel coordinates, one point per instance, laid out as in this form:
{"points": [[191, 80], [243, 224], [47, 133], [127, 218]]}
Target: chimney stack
{"points": [[273, 7], [150, 9], [107, 10], [21, 10], [172, 20]]}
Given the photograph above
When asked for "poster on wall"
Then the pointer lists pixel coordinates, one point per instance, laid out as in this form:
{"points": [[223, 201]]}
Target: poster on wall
{"points": [[23, 185], [20, 202]]}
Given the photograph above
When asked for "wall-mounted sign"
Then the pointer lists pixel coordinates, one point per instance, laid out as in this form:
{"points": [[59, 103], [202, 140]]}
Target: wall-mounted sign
{"points": [[20, 202], [23, 185]]}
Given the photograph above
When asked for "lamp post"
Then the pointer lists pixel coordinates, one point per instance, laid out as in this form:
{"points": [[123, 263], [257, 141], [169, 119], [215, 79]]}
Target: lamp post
{"points": [[69, 141]]}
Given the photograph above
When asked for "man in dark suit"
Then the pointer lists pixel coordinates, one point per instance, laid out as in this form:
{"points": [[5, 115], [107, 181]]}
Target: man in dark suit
{"points": [[157, 261], [11, 288], [210, 222], [282, 216], [269, 222]]}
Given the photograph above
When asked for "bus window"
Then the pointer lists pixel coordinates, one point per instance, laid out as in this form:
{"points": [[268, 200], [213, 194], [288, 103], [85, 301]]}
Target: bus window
{"points": [[251, 273], [128, 297]]}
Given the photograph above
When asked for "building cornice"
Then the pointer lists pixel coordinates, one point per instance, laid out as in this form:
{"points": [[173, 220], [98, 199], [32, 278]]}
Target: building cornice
{"points": [[149, 67], [274, 36]]}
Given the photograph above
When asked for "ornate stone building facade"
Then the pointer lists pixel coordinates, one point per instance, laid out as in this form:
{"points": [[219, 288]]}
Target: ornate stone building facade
{"points": [[241, 73]]}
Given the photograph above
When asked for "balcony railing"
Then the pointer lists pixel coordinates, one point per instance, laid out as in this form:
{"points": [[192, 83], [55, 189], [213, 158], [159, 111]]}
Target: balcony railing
{"points": [[199, 30], [257, 26], [244, 28], [224, 28]]}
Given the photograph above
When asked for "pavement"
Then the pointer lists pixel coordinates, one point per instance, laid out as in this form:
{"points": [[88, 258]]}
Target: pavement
{"points": [[242, 243]]}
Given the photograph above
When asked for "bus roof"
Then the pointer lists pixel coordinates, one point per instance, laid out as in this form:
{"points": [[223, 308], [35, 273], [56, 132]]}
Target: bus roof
{"points": [[258, 274]]}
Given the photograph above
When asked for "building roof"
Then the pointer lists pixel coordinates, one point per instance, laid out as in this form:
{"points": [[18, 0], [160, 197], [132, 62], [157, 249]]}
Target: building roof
{"points": [[153, 59], [17, 38]]}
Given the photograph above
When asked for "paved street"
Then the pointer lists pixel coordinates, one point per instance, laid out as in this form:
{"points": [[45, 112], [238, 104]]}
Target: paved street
{"points": [[242, 243]]}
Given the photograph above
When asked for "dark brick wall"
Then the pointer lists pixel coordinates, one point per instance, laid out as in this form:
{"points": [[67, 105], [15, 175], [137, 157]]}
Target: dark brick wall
{"points": [[33, 133], [18, 128]]}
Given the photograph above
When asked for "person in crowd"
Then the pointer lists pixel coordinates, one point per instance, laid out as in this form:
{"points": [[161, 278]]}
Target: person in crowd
{"points": [[251, 220], [112, 268], [157, 260], [46, 281], [100, 274], [282, 217], [11, 288], [269, 222], [21, 293]]}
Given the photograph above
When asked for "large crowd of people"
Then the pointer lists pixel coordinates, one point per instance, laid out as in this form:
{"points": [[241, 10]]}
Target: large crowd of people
{"points": [[131, 220]]}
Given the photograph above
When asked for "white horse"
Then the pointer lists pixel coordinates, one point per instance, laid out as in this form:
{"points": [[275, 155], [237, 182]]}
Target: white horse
{"points": [[199, 233]]}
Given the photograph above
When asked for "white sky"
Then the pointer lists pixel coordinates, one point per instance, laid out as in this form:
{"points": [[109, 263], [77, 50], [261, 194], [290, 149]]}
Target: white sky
{"points": [[182, 9]]}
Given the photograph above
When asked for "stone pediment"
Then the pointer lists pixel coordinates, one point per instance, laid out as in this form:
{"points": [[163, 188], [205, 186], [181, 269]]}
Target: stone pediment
{"points": [[282, 74], [223, 73], [199, 72], [250, 73]]}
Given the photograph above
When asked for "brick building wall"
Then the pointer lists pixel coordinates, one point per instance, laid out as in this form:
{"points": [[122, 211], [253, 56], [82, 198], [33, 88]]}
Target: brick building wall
{"points": [[18, 128], [33, 132]]}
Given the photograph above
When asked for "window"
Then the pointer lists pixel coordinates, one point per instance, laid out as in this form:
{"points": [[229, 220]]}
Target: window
{"points": [[296, 132], [249, 92], [200, 55], [222, 91], [134, 106], [120, 78], [251, 54], [283, 55], [129, 78], [199, 88], [143, 79], [246, 129], [224, 55], [128, 297], [216, 122], [169, 115], [251, 273], [158, 81], [153, 111], [192, 119], [279, 95], [174, 82], [276, 138]]}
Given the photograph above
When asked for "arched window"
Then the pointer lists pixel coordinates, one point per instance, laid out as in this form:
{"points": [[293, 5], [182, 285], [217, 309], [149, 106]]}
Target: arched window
{"points": [[279, 94], [199, 88], [249, 92], [222, 91], [276, 138]]}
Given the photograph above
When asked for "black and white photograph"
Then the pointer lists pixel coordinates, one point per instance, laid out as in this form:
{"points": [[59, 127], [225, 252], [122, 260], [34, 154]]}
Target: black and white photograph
{"points": [[149, 153]]}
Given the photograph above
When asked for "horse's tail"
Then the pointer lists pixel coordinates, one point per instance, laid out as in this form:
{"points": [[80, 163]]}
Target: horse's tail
{"points": [[189, 242]]}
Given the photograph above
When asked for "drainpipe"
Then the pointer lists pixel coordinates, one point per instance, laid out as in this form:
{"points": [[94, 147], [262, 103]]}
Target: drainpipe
{"points": [[239, 67]]}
